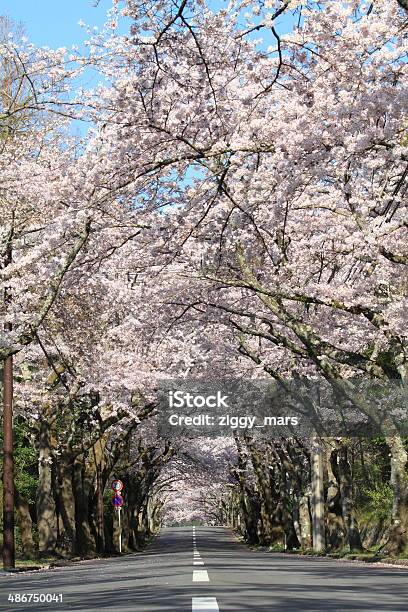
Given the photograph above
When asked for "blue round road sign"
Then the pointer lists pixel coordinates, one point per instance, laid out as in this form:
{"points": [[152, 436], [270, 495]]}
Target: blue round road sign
{"points": [[117, 501]]}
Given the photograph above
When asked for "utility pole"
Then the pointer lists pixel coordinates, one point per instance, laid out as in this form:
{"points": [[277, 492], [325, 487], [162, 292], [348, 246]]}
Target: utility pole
{"points": [[8, 466], [8, 457]]}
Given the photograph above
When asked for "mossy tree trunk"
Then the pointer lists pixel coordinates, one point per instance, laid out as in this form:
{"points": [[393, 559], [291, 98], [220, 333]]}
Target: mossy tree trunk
{"points": [[398, 540], [25, 524], [347, 499], [46, 516]]}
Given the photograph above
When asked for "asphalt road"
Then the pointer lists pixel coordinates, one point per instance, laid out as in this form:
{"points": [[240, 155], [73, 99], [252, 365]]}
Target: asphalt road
{"points": [[210, 572]]}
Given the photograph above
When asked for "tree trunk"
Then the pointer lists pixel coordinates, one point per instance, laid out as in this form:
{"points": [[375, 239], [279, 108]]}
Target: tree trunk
{"points": [[266, 498], [140, 528], [81, 489], [245, 505], [347, 500], [67, 500], [25, 525], [97, 454], [291, 539], [317, 497], [100, 532], [46, 518], [305, 521], [150, 515], [398, 540]]}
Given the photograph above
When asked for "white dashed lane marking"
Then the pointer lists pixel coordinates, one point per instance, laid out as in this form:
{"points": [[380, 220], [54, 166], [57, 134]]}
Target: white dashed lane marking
{"points": [[204, 604], [200, 576], [201, 604]]}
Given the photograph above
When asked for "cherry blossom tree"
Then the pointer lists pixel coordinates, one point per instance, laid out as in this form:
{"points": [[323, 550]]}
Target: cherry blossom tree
{"points": [[282, 173], [237, 211]]}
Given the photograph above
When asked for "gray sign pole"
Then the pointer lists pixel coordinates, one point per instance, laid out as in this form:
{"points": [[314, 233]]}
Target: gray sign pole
{"points": [[120, 530]]}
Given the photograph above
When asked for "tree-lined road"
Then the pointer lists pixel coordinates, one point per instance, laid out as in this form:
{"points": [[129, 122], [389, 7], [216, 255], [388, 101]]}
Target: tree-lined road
{"points": [[211, 572], [233, 215]]}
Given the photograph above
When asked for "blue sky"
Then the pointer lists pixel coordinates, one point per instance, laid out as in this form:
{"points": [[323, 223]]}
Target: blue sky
{"points": [[54, 23]]}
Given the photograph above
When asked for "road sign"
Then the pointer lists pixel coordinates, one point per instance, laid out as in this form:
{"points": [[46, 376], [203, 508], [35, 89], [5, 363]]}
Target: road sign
{"points": [[117, 485], [117, 500]]}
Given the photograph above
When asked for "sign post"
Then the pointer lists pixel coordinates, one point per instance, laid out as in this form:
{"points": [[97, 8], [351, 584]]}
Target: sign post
{"points": [[120, 531], [117, 501]]}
